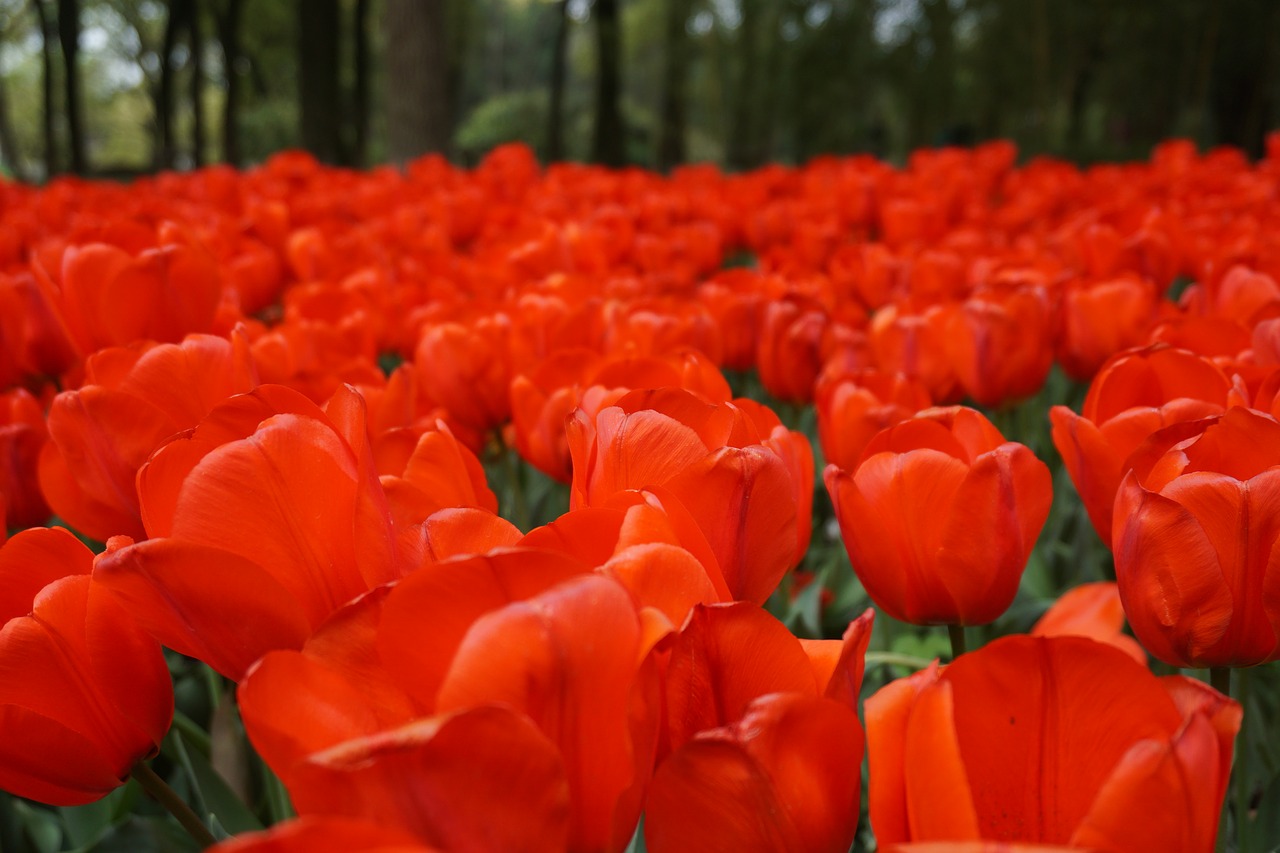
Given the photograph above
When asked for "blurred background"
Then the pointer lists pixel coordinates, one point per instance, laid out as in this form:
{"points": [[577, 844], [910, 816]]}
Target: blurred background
{"points": [[118, 88]]}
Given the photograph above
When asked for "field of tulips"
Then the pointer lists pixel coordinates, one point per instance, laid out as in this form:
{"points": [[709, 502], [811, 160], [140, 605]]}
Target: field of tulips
{"points": [[565, 509]]}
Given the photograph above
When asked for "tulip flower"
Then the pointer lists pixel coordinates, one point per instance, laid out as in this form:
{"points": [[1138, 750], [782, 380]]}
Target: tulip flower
{"points": [[325, 835], [1134, 395], [85, 694], [1098, 319], [263, 520], [743, 493], [1049, 740], [765, 738], [940, 516], [1091, 610], [998, 342], [1195, 542], [22, 435], [853, 407], [133, 399]]}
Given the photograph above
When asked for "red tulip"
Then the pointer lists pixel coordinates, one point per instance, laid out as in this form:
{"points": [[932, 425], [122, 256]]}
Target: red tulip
{"points": [[324, 835], [22, 435], [1195, 542], [853, 407], [133, 399], [1057, 740], [1133, 395], [765, 736], [264, 519], [1091, 610], [1000, 344], [712, 459], [940, 517], [85, 694], [1098, 319]]}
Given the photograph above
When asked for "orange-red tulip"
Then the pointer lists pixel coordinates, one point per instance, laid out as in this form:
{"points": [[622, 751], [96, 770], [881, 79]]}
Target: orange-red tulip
{"points": [[1134, 395], [22, 435], [766, 740], [84, 693], [134, 398], [1195, 542], [264, 519], [853, 407], [940, 517], [1049, 740], [714, 460], [1090, 610], [324, 835]]}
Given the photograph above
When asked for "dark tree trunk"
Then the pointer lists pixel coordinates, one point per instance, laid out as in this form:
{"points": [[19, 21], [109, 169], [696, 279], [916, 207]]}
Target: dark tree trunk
{"points": [[671, 150], [609, 144], [165, 143], [52, 163], [740, 145], [360, 86], [319, 91], [8, 141], [419, 117], [69, 37], [555, 105], [229, 35], [196, 37]]}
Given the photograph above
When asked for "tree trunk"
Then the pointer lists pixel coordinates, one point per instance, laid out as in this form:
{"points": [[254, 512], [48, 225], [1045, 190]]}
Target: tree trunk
{"points": [[8, 141], [671, 149], [360, 86], [52, 164], [196, 36], [555, 105], [165, 143], [229, 35], [419, 118], [740, 146], [318, 25], [69, 37], [609, 144]]}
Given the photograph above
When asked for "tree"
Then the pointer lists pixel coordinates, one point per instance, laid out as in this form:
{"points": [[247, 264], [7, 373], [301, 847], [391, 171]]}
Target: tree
{"points": [[318, 78], [69, 38], [48, 36], [419, 114], [609, 141], [555, 99], [227, 17], [675, 69]]}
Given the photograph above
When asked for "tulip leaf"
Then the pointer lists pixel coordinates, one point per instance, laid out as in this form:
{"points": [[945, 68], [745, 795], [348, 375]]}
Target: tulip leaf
{"points": [[157, 834], [85, 824], [41, 826], [216, 797]]}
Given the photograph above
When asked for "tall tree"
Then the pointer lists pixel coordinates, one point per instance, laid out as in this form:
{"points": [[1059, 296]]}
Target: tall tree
{"points": [[166, 144], [195, 36], [609, 142], [675, 70], [228, 22], [360, 97], [555, 103], [8, 139], [69, 38], [318, 78], [419, 98], [48, 37]]}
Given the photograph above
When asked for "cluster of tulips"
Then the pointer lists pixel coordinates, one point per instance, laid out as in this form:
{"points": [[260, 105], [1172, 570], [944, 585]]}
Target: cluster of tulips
{"points": [[265, 400]]}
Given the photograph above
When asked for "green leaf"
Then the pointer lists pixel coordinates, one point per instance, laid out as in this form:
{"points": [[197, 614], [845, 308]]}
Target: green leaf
{"points": [[41, 826], [157, 834], [211, 797], [86, 824]]}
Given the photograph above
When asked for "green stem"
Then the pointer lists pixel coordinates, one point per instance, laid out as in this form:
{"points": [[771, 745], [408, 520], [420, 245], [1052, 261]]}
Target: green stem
{"points": [[519, 506], [1220, 679], [956, 632], [1239, 791], [896, 659], [163, 794]]}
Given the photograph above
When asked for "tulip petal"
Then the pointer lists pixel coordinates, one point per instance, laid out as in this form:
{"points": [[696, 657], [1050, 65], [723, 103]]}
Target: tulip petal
{"points": [[481, 780]]}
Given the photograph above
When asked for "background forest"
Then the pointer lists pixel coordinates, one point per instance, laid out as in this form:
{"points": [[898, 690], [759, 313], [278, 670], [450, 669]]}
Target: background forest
{"points": [[122, 87]]}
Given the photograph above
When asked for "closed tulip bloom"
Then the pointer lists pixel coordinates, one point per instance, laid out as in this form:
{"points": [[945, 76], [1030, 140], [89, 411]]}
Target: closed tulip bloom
{"points": [[853, 406], [940, 516], [1049, 740], [1195, 543], [84, 693]]}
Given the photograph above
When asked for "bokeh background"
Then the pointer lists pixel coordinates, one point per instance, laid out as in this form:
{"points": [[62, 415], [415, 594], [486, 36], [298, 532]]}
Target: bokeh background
{"points": [[116, 88]]}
